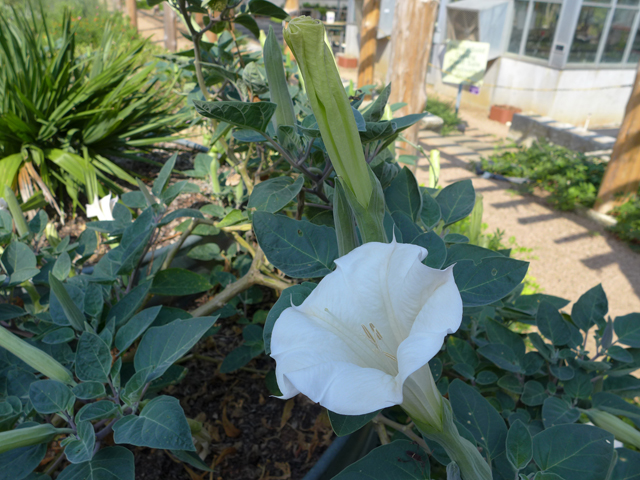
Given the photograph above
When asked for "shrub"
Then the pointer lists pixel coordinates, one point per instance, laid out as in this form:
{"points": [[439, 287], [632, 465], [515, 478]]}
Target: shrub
{"points": [[571, 177], [64, 114], [445, 111]]}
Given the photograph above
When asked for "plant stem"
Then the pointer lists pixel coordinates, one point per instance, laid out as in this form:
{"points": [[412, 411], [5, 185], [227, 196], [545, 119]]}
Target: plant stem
{"points": [[406, 430], [178, 245]]}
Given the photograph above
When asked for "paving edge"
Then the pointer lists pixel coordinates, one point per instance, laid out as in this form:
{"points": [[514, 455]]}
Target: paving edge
{"points": [[600, 218]]}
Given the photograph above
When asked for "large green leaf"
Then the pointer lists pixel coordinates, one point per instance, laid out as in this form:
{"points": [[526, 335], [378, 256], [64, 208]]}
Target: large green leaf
{"points": [[274, 194], [93, 359], [430, 213], [97, 411], [628, 465], [345, 424], [502, 355], [50, 396], [135, 327], [161, 424], [556, 411], [398, 460], [268, 9], [160, 347], [479, 417], [179, 281], [574, 451], [80, 449], [240, 114], [493, 279], [552, 325], [112, 463], [627, 329], [299, 248], [71, 311], [519, 445], [590, 308], [456, 201], [403, 195], [436, 249]]}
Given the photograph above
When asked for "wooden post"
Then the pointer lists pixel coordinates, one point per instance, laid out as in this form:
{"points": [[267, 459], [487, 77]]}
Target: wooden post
{"points": [[132, 12], [170, 36], [622, 177], [368, 41], [413, 23], [292, 6]]}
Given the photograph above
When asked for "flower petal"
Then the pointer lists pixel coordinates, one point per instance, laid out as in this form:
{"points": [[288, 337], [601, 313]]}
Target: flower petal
{"points": [[93, 209], [346, 388]]}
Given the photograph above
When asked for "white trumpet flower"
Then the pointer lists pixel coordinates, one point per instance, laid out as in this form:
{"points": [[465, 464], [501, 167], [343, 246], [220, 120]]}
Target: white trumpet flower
{"points": [[363, 339], [103, 208]]}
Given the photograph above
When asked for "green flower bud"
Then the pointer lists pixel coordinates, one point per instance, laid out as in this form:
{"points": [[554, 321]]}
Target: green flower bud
{"points": [[215, 182], [306, 38], [277, 81], [344, 221], [24, 437], [370, 219], [612, 424], [35, 357]]}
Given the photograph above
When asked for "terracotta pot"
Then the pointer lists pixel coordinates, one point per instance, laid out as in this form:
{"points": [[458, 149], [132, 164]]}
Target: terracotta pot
{"points": [[503, 113]]}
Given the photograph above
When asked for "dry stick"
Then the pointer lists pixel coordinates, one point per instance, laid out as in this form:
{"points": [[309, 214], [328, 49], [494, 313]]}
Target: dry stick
{"points": [[405, 430]]}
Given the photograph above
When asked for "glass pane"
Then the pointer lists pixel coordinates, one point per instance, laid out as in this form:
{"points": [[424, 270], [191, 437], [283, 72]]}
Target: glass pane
{"points": [[628, 2], [588, 32], [517, 29], [542, 28], [634, 55], [618, 35]]}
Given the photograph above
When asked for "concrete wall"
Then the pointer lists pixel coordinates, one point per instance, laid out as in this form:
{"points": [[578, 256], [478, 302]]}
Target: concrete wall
{"points": [[558, 94]]}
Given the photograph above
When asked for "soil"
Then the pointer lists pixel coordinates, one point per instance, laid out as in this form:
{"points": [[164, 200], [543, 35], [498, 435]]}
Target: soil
{"points": [[252, 435]]}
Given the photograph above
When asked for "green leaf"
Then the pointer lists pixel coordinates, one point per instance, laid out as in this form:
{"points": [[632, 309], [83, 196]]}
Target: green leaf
{"points": [[579, 386], [533, 393], [163, 177], [89, 390], [493, 279], [71, 311], [456, 201], [430, 213], [179, 281], [299, 248], [207, 252], [375, 110], [562, 373], [160, 347], [574, 451], [255, 116], [129, 304], [479, 417], [502, 356], [519, 445], [628, 465], [552, 325], [627, 329], [62, 267], [546, 476], [248, 22], [112, 463], [274, 194], [81, 449], [97, 411], [498, 333], [93, 359], [59, 335], [403, 195], [20, 262], [240, 356], [620, 354], [50, 396], [461, 352], [511, 384], [346, 424], [556, 411], [398, 460], [268, 9], [437, 250], [590, 308], [294, 295], [486, 377], [135, 327], [161, 424], [9, 312]]}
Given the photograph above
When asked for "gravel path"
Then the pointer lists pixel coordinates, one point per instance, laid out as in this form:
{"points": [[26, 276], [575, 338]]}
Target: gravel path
{"points": [[572, 253]]}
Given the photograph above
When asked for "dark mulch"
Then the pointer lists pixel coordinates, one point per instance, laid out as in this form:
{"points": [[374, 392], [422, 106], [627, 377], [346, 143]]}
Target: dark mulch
{"points": [[251, 434]]}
